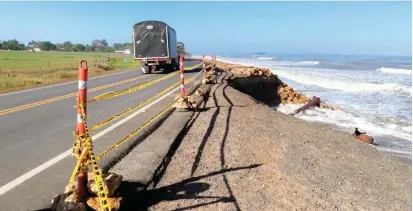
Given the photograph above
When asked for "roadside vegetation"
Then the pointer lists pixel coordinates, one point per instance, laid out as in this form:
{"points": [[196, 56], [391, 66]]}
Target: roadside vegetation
{"points": [[26, 69]]}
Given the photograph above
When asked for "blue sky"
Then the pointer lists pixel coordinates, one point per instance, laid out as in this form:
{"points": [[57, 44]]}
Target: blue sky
{"points": [[375, 28]]}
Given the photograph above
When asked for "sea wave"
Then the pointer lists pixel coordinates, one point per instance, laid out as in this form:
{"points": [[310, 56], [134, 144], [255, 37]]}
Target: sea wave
{"points": [[266, 58], [346, 121], [308, 76], [342, 84], [295, 63], [394, 70], [307, 63]]}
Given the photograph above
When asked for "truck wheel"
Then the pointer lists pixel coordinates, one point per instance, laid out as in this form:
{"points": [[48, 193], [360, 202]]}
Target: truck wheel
{"points": [[169, 68], [145, 69]]}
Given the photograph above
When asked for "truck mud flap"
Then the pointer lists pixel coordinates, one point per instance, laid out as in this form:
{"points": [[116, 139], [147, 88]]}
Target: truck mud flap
{"points": [[145, 69]]}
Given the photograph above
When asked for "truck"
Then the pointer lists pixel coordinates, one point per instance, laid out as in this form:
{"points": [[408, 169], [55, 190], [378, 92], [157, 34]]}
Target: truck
{"points": [[181, 48], [155, 46]]}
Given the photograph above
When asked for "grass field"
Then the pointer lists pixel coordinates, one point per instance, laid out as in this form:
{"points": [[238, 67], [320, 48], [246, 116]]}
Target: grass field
{"points": [[23, 69]]}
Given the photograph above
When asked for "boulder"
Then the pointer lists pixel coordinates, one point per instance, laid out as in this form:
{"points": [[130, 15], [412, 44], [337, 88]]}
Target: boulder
{"points": [[68, 202], [206, 81], [199, 92], [185, 102], [111, 180], [365, 138], [70, 188]]}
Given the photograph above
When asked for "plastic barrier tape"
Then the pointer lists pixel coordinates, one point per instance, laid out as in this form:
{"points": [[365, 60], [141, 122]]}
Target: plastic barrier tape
{"points": [[133, 133], [85, 159], [134, 88], [126, 111]]}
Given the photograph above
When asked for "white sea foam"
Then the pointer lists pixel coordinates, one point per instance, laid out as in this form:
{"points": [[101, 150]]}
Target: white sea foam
{"points": [[394, 70], [266, 58], [308, 63], [295, 63], [346, 121], [341, 84]]}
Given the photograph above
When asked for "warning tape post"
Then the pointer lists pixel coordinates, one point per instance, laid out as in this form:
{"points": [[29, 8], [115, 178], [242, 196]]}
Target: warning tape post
{"points": [[83, 146], [181, 67]]}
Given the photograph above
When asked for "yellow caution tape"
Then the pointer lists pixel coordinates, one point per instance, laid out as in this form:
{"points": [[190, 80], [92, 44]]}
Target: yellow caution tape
{"points": [[126, 111], [100, 185], [133, 133], [87, 157], [134, 88]]}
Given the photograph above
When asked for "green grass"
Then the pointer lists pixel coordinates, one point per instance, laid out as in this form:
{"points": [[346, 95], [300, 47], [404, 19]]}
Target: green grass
{"points": [[23, 69]]}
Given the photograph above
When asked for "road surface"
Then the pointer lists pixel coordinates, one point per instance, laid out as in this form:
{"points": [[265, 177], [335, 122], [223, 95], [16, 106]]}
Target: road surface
{"points": [[36, 127]]}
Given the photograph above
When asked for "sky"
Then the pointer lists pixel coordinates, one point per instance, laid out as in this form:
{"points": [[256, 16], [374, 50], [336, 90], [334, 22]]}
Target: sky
{"points": [[365, 28]]}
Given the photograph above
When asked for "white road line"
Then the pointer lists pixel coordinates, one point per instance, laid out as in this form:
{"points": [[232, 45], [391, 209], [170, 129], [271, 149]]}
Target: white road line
{"points": [[61, 84], [67, 153]]}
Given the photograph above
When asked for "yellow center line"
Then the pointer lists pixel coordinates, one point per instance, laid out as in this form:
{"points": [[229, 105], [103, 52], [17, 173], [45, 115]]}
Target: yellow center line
{"points": [[31, 105]]}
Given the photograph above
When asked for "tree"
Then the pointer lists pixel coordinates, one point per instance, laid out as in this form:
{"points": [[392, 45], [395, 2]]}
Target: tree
{"points": [[5, 45], [104, 43], [46, 46], [117, 46], [109, 49], [32, 44], [89, 48], [12, 45], [79, 47], [127, 46], [100, 45], [67, 46]]}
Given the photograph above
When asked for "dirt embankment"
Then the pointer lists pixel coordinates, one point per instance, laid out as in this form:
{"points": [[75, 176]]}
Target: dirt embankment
{"points": [[265, 86]]}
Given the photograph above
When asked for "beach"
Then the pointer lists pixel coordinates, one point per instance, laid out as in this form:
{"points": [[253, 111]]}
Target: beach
{"points": [[374, 92], [238, 153]]}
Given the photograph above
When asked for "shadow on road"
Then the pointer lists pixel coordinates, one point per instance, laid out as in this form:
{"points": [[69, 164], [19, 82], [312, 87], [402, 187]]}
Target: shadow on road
{"points": [[209, 129], [195, 70], [137, 199]]}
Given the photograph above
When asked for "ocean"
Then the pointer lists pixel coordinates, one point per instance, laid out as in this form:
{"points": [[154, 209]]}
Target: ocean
{"points": [[375, 92]]}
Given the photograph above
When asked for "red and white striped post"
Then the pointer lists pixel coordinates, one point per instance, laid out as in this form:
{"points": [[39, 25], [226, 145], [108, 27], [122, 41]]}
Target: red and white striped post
{"points": [[203, 66], [181, 67], [81, 130], [82, 96]]}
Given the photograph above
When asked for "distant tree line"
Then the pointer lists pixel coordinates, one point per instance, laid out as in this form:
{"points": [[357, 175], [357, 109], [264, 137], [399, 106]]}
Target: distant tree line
{"points": [[96, 46]]}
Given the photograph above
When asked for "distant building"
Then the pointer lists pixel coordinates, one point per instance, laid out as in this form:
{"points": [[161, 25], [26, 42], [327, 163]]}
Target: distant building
{"points": [[126, 51], [37, 49]]}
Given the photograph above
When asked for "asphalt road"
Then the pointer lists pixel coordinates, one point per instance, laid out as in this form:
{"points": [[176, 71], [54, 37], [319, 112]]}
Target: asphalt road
{"points": [[36, 129]]}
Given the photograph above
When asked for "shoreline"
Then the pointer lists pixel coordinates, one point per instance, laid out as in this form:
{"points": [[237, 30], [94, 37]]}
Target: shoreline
{"points": [[239, 154], [403, 157]]}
